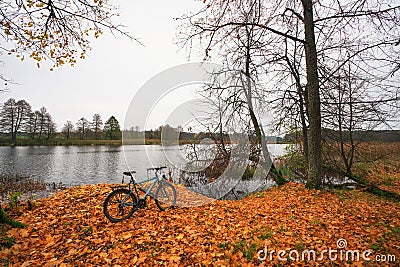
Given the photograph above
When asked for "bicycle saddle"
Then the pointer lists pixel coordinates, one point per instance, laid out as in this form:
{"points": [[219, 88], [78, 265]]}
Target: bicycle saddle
{"points": [[129, 173]]}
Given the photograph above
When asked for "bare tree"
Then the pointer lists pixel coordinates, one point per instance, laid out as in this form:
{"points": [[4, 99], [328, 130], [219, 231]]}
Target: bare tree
{"points": [[97, 123], [354, 105], [42, 122], [244, 50], [50, 126], [32, 126], [68, 129], [82, 127], [314, 27], [220, 16], [13, 116]]}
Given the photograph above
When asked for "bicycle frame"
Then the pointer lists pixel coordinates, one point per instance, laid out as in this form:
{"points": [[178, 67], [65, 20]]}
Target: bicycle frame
{"points": [[147, 193], [156, 179]]}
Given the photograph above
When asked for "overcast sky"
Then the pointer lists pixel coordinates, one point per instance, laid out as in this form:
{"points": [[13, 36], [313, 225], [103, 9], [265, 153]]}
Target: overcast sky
{"points": [[116, 67], [106, 81]]}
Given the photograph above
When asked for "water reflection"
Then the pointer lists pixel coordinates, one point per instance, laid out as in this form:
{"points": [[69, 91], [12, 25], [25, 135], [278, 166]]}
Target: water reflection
{"points": [[76, 165]]}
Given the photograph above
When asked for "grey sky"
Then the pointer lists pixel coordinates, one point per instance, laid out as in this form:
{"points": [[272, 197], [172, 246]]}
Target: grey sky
{"points": [[106, 81]]}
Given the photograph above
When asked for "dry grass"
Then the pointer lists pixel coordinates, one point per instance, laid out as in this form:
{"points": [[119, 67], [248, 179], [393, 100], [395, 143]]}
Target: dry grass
{"points": [[380, 163]]}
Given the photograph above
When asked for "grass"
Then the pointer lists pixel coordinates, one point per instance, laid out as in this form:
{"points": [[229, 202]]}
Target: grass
{"points": [[239, 246], [247, 250], [395, 232], [379, 244], [224, 245], [265, 233], [315, 222], [377, 163], [300, 246]]}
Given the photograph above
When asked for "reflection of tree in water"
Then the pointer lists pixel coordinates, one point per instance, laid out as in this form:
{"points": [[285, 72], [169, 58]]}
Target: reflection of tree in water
{"points": [[224, 170]]}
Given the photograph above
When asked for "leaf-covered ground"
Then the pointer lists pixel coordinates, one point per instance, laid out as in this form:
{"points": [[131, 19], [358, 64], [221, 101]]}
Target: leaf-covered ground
{"points": [[69, 229]]}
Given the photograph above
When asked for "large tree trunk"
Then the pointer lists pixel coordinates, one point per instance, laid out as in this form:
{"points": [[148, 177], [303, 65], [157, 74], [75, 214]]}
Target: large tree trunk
{"points": [[314, 110]]}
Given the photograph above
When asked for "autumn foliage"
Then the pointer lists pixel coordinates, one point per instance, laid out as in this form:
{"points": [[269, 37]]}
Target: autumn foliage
{"points": [[69, 229]]}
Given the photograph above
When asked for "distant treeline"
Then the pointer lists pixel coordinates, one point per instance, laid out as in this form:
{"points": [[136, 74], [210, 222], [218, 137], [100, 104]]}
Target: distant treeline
{"points": [[358, 136], [169, 133], [17, 119], [366, 136]]}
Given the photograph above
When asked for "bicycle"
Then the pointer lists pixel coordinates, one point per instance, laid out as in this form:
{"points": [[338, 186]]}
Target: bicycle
{"points": [[121, 203]]}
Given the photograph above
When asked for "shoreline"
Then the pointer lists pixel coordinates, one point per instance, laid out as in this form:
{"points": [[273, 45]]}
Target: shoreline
{"points": [[90, 142], [24, 143]]}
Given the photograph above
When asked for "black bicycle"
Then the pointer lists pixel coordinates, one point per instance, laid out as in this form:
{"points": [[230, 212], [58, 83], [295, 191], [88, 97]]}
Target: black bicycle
{"points": [[122, 202]]}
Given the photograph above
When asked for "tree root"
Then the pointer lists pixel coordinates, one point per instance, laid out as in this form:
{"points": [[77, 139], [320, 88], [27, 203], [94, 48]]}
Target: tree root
{"points": [[370, 187]]}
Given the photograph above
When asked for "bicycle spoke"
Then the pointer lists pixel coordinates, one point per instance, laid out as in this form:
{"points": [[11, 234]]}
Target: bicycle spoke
{"points": [[165, 196], [119, 205]]}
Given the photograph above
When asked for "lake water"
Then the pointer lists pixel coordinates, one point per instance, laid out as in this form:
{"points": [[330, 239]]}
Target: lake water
{"points": [[76, 165]]}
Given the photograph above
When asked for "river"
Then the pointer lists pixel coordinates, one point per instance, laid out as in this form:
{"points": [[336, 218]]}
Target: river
{"points": [[76, 165]]}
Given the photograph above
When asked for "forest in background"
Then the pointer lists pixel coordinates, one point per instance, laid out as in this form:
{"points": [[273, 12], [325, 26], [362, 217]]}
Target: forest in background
{"points": [[21, 125]]}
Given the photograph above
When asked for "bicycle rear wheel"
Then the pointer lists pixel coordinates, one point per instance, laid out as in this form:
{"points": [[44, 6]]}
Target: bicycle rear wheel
{"points": [[119, 205], [165, 196]]}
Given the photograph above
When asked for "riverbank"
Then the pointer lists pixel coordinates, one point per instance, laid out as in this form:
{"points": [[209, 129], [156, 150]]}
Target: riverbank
{"points": [[15, 189], [69, 229], [77, 142]]}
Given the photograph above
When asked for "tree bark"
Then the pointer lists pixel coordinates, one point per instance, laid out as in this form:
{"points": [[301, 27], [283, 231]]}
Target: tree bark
{"points": [[314, 179]]}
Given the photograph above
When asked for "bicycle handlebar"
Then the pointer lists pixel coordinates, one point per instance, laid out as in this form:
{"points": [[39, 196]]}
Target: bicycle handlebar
{"points": [[157, 168]]}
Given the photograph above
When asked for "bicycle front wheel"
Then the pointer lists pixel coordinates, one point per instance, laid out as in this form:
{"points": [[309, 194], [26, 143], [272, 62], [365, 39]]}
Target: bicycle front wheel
{"points": [[119, 205], [165, 196]]}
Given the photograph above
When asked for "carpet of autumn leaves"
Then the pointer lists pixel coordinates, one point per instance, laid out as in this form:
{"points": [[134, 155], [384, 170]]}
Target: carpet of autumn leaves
{"points": [[69, 229]]}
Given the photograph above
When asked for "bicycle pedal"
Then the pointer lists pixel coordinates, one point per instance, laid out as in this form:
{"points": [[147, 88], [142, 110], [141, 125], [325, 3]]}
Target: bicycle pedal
{"points": [[141, 203]]}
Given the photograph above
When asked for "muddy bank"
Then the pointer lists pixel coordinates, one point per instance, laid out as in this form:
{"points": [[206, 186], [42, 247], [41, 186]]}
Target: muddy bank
{"points": [[17, 188]]}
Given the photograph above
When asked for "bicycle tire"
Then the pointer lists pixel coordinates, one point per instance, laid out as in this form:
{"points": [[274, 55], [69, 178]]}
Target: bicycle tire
{"points": [[165, 196], [114, 209]]}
